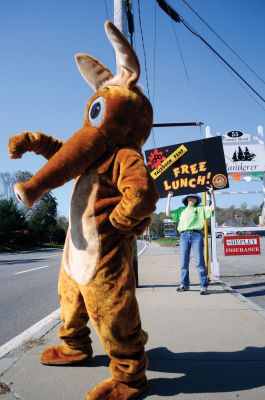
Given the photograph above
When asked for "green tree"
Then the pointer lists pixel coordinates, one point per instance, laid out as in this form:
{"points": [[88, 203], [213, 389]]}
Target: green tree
{"points": [[42, 221], [42, 218], [242, 216], [12, 220], [157, 225], [59, 231]]}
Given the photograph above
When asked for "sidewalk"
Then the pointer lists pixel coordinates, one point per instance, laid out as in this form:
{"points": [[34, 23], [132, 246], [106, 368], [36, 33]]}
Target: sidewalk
{"points": [[200, 347]]}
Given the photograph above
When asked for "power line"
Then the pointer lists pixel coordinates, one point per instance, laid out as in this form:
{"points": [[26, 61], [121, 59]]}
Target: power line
{"points": [[145, 64], [177, 18], [221, 58], [154, 76], [225, 43], [187, 76], [243, 87], [106, 8], [142, 37], [129, 14]]}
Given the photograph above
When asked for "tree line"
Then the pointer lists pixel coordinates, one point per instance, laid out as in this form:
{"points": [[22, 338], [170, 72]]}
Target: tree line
{"points": [[42, 223], [231, 216], [28, 226]]}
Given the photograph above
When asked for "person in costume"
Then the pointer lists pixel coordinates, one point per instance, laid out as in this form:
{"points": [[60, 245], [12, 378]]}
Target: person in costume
{"points": [[112, 202], [190, 218]]}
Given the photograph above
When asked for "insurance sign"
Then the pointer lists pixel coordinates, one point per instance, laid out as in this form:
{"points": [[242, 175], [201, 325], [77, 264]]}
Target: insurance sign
{"points": [[241, 245]]}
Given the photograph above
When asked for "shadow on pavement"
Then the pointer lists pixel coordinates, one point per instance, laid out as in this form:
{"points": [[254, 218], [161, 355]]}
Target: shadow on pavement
{"points": [[209, 372], [249, 285]]}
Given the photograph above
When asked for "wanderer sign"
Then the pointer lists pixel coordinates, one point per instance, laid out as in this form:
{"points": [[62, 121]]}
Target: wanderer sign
{"points": [[189, 167]]}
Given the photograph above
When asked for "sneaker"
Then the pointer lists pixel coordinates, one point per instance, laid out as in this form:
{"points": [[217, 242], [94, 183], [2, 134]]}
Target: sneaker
{"points": [[183, 288], [203, 292]]}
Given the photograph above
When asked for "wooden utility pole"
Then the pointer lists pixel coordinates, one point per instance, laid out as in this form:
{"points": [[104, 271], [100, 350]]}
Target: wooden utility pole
{"points": [[121, 22]]}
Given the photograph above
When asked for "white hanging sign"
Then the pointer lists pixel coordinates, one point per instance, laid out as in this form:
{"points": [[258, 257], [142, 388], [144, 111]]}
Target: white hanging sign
{"points": [[242, 158], [235, 137]]}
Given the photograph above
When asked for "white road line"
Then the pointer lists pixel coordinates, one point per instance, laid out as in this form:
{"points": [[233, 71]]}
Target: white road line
{"points": [[141, 251], [36, 331], [29, 270]]}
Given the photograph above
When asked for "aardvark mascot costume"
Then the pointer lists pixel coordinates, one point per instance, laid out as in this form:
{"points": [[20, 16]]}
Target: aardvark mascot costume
{"points": [[112, 201]]}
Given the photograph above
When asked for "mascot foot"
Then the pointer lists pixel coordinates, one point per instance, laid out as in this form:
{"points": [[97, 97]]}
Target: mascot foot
{"points": [[58, 355], [111, 389]]}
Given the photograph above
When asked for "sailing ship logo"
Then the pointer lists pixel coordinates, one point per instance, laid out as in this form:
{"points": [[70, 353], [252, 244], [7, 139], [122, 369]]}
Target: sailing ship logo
{"points": [[240, 155]]}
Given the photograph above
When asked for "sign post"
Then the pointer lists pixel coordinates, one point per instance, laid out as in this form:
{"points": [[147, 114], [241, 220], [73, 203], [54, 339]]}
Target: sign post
{"points": [[121, 22], [245, 155]]}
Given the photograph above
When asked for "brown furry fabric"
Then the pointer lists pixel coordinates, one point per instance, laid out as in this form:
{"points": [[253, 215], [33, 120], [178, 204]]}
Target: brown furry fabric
{"points": [[111, 389], [112, 201]]}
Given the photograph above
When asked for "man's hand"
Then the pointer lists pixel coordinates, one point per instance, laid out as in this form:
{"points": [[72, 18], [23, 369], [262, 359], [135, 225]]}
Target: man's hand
{"points": [[210, 190]]}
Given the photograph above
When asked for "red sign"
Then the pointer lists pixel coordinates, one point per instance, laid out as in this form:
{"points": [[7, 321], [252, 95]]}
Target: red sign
{"points": [[241, 245]]}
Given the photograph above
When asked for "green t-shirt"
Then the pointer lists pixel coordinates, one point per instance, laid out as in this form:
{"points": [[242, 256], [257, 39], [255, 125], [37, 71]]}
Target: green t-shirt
{"points": [[191, 217]]}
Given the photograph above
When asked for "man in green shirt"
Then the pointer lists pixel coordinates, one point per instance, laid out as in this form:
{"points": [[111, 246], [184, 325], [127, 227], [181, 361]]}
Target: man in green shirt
{"points": [[190, 220]]}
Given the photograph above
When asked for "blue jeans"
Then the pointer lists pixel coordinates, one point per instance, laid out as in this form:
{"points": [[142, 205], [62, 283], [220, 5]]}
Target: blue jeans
{"points": [[192, 240]]}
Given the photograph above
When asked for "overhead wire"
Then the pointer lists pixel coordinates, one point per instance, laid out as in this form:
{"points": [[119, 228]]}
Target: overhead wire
{"points": [[225, 43], [187, 77], [145, 62], [177, 18], [154, 58], [129, 14], [154, 75], [142, 38], [221, 58], [106, 8], [243, 87]]}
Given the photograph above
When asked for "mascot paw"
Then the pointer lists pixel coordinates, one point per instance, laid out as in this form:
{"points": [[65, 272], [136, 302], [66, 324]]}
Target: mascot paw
{"points": [[59, 355], [23, 194], [111, 389], [18, 144]]}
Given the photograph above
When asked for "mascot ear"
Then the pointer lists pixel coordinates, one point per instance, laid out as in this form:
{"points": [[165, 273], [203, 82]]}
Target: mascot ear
{"points": [[94, 73], [128, 67]]}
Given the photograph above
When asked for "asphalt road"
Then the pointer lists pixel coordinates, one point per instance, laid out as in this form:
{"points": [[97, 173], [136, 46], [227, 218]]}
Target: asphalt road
{"points": [[28, 287], [28, 284], [246, 274]]}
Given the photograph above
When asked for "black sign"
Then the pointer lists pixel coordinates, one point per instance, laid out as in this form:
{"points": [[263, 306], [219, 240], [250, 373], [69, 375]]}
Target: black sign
{"points": [[188, 168], [235, 134]]}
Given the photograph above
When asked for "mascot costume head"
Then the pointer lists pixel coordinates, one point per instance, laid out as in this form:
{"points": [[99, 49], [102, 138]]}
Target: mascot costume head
{"points": [[111, 203]]}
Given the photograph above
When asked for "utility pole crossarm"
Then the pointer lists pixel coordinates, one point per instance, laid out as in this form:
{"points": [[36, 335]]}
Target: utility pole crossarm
{"points": [[196, 123]]}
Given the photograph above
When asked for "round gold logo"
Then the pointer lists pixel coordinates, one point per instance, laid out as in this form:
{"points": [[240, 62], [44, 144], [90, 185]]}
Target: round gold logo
{"points": [[219, 181]]}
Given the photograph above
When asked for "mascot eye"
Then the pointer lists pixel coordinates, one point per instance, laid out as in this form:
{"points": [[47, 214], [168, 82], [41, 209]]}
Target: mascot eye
{"points": [[96, 111]]}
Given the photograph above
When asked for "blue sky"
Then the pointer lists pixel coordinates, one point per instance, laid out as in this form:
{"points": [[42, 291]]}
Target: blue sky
{"points": [[42, 89]]}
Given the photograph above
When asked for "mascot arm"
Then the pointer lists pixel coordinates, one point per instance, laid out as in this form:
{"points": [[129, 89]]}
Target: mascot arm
{"points": [[139, 195], [40, 143]]}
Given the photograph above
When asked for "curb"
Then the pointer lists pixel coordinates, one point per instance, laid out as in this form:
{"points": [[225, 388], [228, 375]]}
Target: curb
{"points": [[250, 304], [35, 332]]}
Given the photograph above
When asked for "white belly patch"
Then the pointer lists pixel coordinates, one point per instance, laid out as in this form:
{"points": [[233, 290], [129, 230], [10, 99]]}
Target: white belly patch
{"points": [[82, 243]]}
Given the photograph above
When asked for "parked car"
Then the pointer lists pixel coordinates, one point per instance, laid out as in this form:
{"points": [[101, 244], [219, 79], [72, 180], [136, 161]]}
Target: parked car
{"points": [[154, 237]]}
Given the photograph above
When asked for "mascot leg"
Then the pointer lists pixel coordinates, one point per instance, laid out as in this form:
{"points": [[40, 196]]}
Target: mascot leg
{"points": [[74, 334], [113, 309]]}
